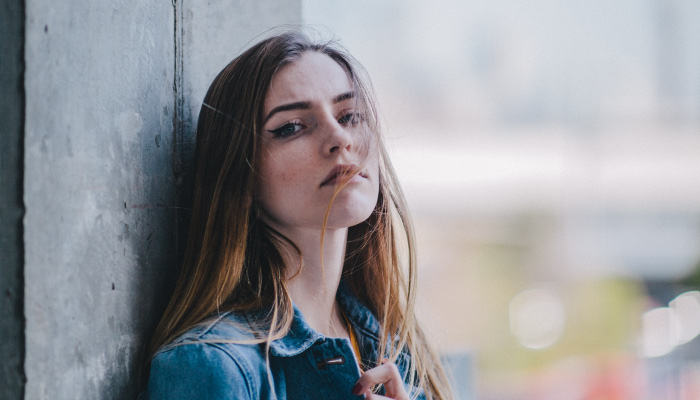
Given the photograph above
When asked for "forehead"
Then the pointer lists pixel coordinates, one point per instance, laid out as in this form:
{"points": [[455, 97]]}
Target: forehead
{"points": [[313, 77]]}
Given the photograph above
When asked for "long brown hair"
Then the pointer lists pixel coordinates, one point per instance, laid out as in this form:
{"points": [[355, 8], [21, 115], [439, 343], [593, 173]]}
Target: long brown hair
{"points": [[234, 261]]}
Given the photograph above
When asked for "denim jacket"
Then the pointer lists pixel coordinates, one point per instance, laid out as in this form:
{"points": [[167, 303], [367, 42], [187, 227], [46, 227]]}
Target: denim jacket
{"points": [[303, 364]]}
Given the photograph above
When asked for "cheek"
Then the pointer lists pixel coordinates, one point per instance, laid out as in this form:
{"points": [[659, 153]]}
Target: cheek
{"points": [[373, 165], [279, 176], [270, 178]]}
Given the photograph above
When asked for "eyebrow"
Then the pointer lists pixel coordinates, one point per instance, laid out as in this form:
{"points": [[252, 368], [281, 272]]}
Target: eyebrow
{"points": [[305, 105], [344, 96]]}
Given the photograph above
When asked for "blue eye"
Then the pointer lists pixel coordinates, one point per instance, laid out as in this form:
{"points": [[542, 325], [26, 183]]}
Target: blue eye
{"points": [[288, 129], [351, 119]]}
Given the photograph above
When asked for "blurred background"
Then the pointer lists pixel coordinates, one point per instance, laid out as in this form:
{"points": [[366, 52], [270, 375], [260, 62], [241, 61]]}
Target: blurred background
{"points": [[550, 153]]}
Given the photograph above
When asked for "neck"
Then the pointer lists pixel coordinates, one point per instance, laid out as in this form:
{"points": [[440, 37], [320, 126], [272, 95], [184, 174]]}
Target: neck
{"points": [[313, 287]]}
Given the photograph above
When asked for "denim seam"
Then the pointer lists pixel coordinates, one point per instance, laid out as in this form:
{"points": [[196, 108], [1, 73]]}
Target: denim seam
{"points": [[242, 364]]}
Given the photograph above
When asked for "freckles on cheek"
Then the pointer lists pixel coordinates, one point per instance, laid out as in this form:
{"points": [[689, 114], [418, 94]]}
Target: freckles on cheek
{"points": [[282, 177], [288, 168], [284, 164], [277, 178]]}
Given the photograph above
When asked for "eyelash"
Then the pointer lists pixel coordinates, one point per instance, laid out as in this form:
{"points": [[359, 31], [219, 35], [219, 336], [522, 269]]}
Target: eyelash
{"points": [[280, 132], [349, 119]]}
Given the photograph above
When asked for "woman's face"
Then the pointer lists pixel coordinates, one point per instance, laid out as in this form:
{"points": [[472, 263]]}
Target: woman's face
{"points": [[313, 131]]}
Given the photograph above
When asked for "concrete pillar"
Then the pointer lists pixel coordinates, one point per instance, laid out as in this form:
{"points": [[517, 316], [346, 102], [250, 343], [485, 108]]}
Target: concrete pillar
{"points": [[111, 95], [11, 207]]}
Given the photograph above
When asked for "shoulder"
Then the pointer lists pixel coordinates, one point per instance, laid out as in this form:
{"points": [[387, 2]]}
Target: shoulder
{"points": [[214, 360]]}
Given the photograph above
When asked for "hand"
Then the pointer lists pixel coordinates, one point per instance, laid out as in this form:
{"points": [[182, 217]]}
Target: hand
{"points": [[388, 374]]}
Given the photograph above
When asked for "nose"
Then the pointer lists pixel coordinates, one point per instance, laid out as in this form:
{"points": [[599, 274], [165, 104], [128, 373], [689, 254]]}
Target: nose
{"points": [[337, 138]]}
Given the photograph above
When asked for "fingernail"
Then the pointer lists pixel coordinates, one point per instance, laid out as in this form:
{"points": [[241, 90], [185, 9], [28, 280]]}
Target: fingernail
{"points": [[357, 389]]}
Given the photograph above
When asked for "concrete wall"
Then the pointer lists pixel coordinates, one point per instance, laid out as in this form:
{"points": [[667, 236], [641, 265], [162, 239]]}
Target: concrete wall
{"points": [[11, 208], [112, 93]]}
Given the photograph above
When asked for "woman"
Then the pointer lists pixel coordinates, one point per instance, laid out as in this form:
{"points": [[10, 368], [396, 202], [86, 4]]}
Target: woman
{"points": [[291, 286]]}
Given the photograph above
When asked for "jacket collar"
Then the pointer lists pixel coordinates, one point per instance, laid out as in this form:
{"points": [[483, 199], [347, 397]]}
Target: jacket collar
{"points": [[301, 336]]}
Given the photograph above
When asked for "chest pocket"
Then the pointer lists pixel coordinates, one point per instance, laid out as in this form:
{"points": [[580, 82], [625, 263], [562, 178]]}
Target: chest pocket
{"points": [[327, 370]]}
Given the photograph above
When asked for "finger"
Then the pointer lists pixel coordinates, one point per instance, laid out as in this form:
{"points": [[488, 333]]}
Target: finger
{"points": [[373, 396], [387, 374]]}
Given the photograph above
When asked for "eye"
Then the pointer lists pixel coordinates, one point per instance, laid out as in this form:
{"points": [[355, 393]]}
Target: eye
{"points": [[351, 119], [286, 130]]}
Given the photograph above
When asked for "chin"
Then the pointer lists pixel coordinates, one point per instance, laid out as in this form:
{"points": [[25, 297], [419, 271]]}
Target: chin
{"points": [[352, 207], [347, 215], [345, 223]]}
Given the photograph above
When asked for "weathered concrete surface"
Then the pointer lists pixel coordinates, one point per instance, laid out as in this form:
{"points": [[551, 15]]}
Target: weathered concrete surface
{"points": [[214, 33], [99, 191], [112, 90], [11, 207]]}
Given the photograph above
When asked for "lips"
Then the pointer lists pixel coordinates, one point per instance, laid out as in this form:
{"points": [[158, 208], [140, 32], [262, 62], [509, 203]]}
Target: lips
{"points": [[338, 172]]}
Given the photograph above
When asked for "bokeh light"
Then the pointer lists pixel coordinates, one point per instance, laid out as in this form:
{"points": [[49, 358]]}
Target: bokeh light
{"points": [[659, 334], [687, 309], [537, 318]]}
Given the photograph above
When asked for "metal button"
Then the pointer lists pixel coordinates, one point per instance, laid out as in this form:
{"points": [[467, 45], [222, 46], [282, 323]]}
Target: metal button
{"points": [[340, 360]]}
